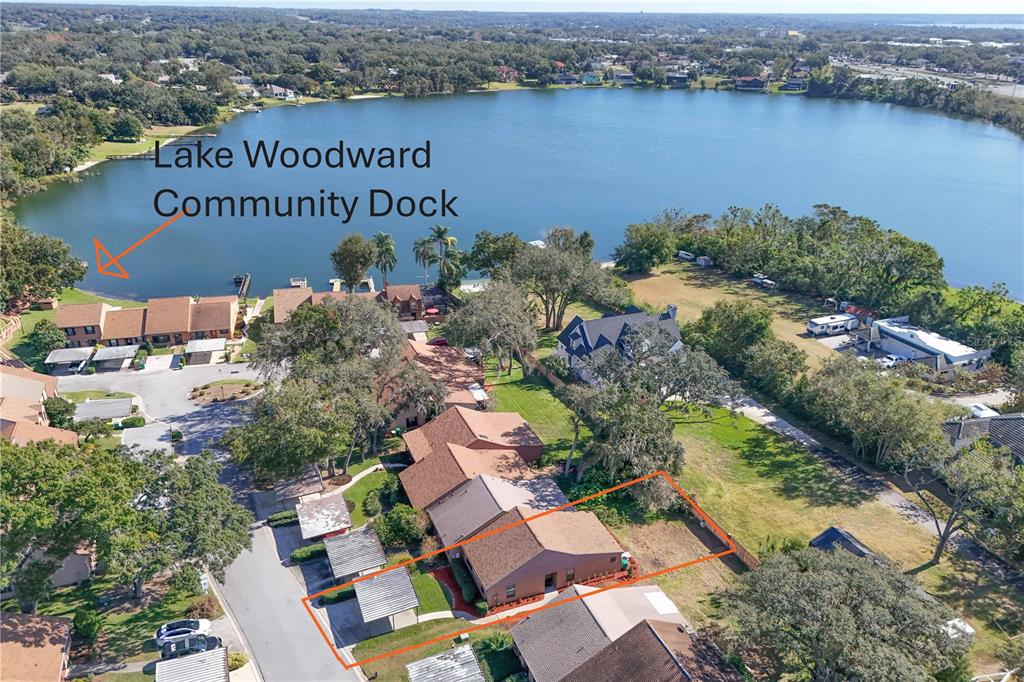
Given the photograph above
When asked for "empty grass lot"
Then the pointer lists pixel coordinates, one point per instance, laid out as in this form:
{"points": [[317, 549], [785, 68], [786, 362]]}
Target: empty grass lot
{"points": [[497, 666], [693, 289]]}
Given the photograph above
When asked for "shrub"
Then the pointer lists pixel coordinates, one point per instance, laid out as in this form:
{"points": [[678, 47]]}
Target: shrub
{"points": [[187, 580], [402, 525], [90, 370], [465, 581], [339, 595], [177, 436], [206, 606], [285, 518], [308, 553], [88, 623], [481, 607], [391, 490], [133, 422], [236, 659], [499, 640], [371, 505]]}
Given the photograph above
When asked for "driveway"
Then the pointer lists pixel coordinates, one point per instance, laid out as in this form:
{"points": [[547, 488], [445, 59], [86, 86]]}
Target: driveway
{"points": [[265, 600], [164, 396]]}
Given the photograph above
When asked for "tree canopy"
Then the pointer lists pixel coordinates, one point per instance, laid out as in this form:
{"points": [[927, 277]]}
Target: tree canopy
{"points": [[33, 266]]}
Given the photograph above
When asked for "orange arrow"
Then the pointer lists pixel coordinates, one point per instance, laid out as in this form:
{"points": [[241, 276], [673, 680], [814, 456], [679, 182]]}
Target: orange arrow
{"points": [[112, 261]]}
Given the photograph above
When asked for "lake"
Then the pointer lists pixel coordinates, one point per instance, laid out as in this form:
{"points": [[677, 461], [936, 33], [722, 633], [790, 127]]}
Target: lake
{"points": [[527, 160]]}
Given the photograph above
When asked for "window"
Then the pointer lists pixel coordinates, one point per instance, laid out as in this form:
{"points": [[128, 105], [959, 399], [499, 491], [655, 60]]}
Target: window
{"points": [[411, 422], [70, 331], [614, 559], [90, 330], [510, 591], [570, 575]]}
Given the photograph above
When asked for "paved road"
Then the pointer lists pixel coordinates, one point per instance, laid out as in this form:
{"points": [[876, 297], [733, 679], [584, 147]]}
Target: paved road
{"points": [[264, 597]]}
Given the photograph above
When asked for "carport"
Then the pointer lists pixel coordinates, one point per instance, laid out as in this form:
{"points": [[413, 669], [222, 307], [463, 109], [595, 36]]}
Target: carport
{"points": [[354, 553], [387, 601], [68, 360], [114, 357], [200, 351], [107, 409], [455, 665]]}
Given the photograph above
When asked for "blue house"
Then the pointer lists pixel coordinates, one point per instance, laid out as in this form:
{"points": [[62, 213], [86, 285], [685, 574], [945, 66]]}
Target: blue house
{"points": [[583, 339]]}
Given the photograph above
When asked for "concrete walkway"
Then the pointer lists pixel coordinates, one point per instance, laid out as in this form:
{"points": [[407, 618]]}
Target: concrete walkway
{"points": [[255, 311]]}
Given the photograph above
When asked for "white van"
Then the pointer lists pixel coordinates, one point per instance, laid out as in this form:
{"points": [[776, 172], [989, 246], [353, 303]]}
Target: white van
{"points": [[832, 324]]}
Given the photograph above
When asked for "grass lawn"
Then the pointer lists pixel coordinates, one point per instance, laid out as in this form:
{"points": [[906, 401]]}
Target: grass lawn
{"points": [[243, 351], [124, 677], [30, 318], [360, 491], [82, 396], [111, 442], [532, 398], [693, 289], [128, 630], [431, 594], [497, 666], [153, 134]]}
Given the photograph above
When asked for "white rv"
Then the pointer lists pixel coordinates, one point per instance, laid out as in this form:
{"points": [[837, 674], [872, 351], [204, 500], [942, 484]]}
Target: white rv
{"points": [[832, 324]]}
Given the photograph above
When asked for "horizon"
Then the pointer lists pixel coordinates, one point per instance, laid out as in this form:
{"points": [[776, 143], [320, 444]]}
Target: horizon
{"points": [[917, 8]]}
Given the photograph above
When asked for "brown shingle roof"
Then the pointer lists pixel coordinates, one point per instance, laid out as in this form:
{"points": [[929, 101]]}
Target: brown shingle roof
{"points": [[450, 366], [81, 315], [20, 409], [429, 480], [287, 300], [656, 651], [212, 316], [402, 292], [124, 324], [471, 428], [168, 315], [23, 432], [33, 647], [567, 532]]}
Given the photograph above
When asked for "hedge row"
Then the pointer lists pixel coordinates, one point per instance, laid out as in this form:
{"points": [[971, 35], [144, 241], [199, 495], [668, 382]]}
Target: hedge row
{"points": [[308, 553], [285, 518]]}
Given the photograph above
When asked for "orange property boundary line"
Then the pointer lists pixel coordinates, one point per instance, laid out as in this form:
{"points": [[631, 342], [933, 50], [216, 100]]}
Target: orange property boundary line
{"points": [[722, 535]]}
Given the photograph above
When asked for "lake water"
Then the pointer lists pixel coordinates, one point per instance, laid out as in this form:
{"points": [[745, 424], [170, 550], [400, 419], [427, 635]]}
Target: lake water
{"points": [[528, 160]]}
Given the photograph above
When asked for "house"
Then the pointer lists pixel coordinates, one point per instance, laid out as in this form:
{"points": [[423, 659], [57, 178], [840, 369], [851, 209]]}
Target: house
{"points": [[1003, 431], [22, 415], [566, 79], [472, 506], [551, 552], [558, 640], [675, 79], [406, 299], [76, 567], [794, 84], [204, 666], [323, 517], [582, 340], [454, 665], [34, 648], [591, 78], [834, 537], [356, 553], [462, 378], [111, 78], [277, 92], [430, 480], [242, 80], [626, 78], [657, 651], [750, 83], [162, 321], [387, 601], [897, 336], [475, 430]]}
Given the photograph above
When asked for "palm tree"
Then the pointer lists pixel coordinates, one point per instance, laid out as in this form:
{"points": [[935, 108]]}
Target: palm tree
{"points": [[441, 236], [385, 259], [423, 251]]}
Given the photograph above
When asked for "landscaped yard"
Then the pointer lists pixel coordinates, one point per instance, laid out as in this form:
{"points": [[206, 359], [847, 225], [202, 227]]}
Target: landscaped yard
{"points": [[30, 318], [430, 592], [82, 396], [224, 389], [362, 489], [548, 341], [128, 631], [497, 665], [532, 398], [692, 289]]}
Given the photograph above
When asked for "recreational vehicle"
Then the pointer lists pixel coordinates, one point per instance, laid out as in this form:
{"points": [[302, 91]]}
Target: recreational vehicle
{"points": [[832, 324]]}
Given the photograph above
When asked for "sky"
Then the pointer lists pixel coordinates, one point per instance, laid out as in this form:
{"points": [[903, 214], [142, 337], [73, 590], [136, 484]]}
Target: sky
{"points": [[728, 6]]}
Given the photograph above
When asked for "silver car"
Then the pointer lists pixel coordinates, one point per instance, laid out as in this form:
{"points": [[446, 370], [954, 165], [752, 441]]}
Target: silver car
{"points": [[181, 629]]}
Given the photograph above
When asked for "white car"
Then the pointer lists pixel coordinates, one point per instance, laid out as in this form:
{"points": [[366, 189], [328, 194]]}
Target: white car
{"points": [[891, 360], [181, 630]]}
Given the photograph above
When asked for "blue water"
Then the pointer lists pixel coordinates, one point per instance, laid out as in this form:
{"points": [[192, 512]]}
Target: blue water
{"points": [[594, 159]]}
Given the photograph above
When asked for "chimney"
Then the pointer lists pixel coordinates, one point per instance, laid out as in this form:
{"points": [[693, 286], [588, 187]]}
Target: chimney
{"points": [[670, 310]]}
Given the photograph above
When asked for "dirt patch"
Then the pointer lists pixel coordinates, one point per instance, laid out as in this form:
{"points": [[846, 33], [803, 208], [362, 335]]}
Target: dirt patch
{"points": [[222, 392]]}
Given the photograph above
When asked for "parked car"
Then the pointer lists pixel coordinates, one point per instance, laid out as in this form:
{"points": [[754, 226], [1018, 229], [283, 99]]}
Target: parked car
{"points": [[891, 360], [192, 645], [179, 630]]}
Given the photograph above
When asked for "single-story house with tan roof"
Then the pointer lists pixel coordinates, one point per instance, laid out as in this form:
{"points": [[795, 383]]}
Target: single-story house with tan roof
{"points": [[430, 480], [556, 641], [18, 382], [33, 648], [22, 432], [476, 430], [547, 553], [462, 378], [22, 416]]}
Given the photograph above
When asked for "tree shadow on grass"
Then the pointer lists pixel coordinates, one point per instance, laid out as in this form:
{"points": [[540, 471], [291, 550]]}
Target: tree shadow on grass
{"points": [[795, 474], [982, 596]]}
